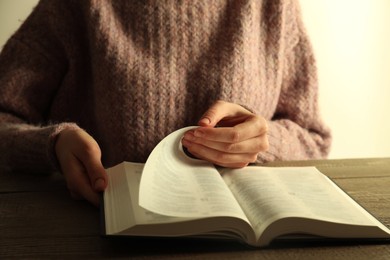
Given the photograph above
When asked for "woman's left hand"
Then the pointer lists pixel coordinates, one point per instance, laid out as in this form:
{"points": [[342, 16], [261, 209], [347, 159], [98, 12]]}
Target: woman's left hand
{"points": [[229, 136]]}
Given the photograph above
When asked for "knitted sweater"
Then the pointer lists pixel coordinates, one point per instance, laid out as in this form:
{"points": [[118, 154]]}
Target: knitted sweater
{"points": [[131, 72]]}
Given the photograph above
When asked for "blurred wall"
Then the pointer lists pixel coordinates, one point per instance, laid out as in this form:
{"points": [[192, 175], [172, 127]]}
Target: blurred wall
{"points": [[12, 14], [351, 40]]}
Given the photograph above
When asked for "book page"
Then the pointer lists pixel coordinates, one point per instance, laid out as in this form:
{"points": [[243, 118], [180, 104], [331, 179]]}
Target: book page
{"points": [[117, 212], [142, 215], [267, 193], [121, 200], [174, 184], [133, 173], [124, 216]]}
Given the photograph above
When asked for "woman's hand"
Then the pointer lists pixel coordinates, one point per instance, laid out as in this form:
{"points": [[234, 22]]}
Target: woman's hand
{"points": [[79, 156], [236, 141]]}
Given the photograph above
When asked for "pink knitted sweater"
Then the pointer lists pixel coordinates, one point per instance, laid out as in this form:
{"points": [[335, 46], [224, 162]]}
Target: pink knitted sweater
{"points": [[130, 72]]}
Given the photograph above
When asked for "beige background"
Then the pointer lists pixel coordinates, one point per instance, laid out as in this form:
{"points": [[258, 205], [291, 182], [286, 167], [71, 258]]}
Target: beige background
{"points": [[351, 40]]}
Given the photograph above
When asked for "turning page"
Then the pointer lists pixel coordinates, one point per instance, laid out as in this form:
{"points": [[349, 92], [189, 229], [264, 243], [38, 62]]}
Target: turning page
{"points": [[175, 184]]}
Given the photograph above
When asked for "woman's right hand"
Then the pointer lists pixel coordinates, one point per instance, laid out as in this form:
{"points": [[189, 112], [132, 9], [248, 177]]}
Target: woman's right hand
{"points": [[79, 156]]}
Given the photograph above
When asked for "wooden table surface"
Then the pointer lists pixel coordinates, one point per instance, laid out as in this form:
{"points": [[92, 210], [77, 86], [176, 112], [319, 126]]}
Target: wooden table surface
{"points": [[38, 219]]}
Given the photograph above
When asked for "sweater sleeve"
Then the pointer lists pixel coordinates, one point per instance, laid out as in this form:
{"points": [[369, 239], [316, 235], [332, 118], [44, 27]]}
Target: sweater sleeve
{"points": [[32, 66], [296, 131]]}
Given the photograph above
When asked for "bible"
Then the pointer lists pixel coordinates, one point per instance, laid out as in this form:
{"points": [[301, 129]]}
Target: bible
{"points": [[175, 195]]}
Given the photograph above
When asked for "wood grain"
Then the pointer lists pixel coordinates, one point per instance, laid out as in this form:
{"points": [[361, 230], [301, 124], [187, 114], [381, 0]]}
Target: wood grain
{"points": [[38, 219]]}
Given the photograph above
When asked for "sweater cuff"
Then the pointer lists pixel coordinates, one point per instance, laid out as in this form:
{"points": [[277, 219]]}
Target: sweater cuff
{"points": [[27, 148], [279, 148]]}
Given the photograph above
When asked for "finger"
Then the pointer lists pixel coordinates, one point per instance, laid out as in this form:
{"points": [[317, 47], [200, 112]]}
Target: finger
{"points": [[220, 158], [253, 145], [229, 164], [86, 192], [220, 110], [97, 174], [90, 156], [254, 126], [78, 182]]}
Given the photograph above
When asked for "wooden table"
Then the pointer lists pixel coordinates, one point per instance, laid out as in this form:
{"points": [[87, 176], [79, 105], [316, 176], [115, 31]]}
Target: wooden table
{"points": [[39, 219]]}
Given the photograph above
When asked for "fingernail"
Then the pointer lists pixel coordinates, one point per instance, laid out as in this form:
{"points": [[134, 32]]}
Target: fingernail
{"points": [[205, 121], [100, 184], [186, 143], [189, 136], [198, 133]]}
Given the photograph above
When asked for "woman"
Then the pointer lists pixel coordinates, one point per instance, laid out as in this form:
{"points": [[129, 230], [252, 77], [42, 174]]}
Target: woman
{"points": [[85, 85]]}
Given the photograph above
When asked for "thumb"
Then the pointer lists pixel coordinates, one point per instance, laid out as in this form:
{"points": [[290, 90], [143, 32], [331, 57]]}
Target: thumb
{"points": [[97, 176], [213, 115], [91, 159]]}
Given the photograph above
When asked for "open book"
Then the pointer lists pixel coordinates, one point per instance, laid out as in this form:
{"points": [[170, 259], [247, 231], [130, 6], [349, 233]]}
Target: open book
{"points": [[175, 195]]}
